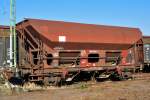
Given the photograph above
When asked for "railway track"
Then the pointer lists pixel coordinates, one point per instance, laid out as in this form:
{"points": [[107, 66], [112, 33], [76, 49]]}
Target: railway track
{"points": [[141, 76], [135, 77]]}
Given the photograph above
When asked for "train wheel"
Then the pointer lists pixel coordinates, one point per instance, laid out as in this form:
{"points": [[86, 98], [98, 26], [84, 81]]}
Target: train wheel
{"points": [[115, 77], [127, 75]]}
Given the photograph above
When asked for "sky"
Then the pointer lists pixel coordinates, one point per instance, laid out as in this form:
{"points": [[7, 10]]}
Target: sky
{"points": [[126, 13]]}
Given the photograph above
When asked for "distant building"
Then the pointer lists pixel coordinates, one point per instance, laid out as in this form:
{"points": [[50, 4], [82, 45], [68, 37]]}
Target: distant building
{"points": [[4, 45], [146, 41]]}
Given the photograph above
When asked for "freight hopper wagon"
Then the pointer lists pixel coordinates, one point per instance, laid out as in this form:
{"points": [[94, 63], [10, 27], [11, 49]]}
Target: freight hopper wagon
{"points": [[52, 51]]}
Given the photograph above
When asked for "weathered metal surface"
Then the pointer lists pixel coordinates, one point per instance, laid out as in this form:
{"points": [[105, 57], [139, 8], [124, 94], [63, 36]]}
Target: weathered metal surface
{"points": [[82, 33], [56, 35]]}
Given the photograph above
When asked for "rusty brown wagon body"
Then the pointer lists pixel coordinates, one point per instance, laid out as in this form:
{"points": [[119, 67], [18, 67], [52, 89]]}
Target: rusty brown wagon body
{"points": [[47, 47]]}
